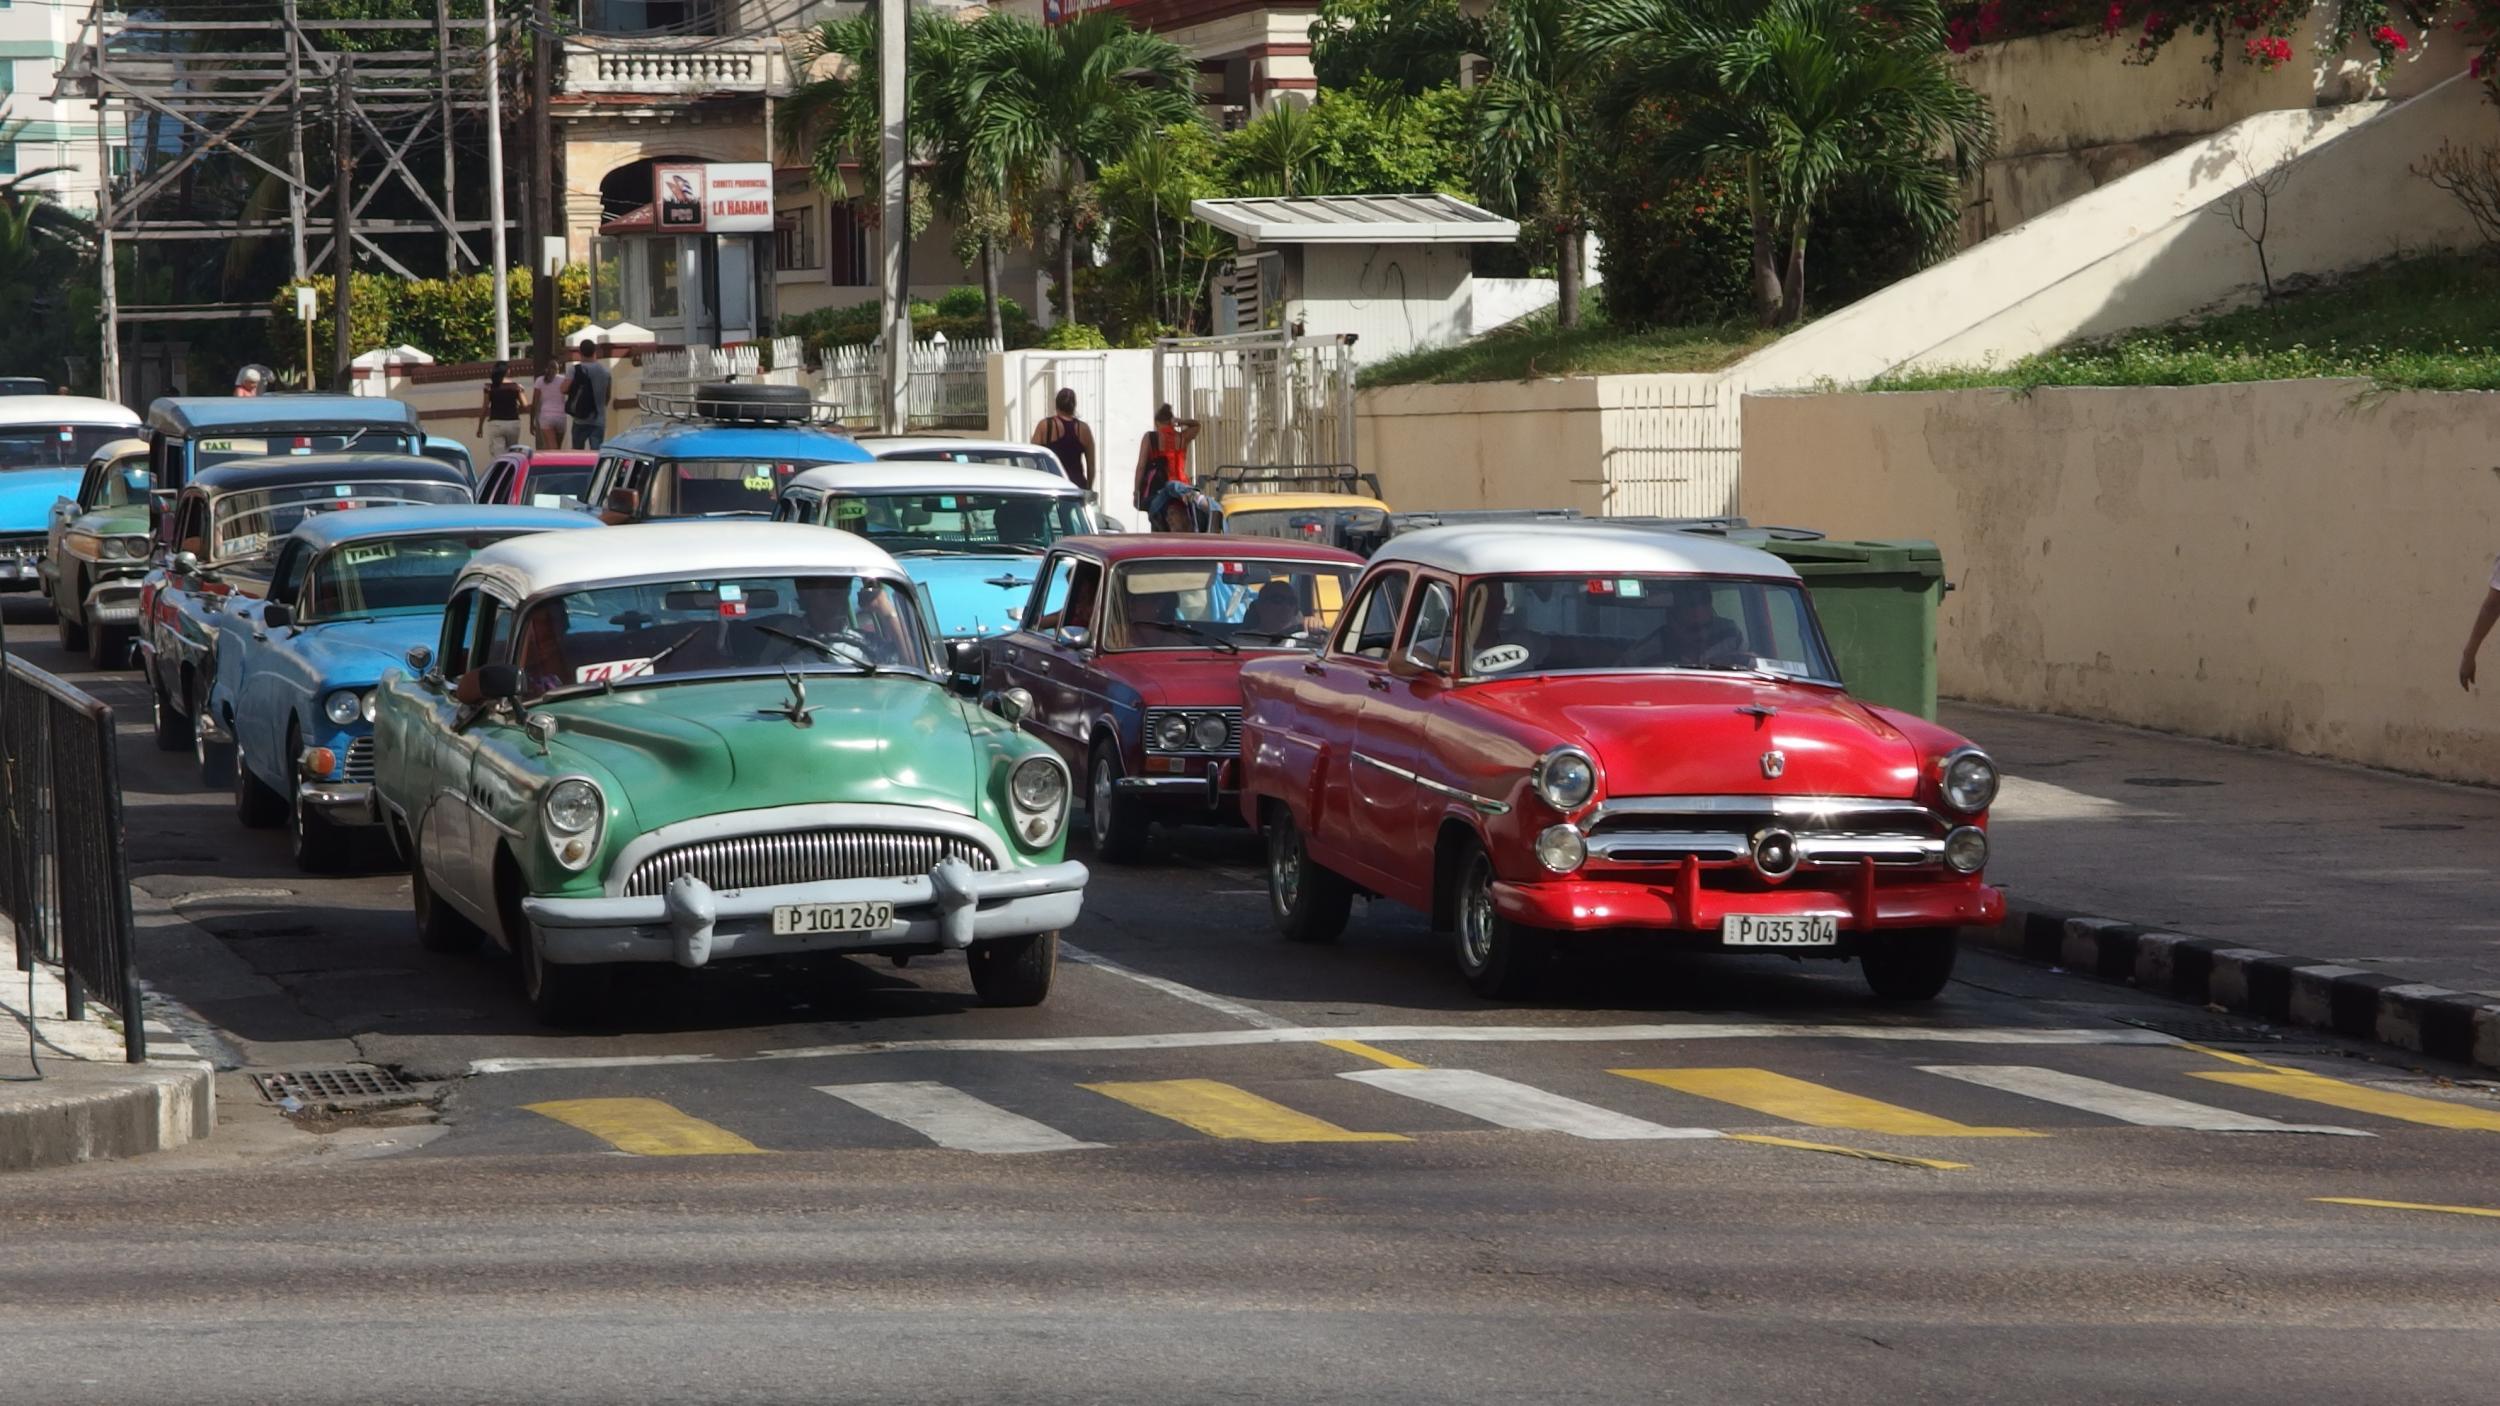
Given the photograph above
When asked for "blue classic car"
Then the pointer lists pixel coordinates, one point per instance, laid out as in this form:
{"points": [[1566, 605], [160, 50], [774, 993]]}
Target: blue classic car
{"points": [[191, 433], [971, 535], [349, 595], [45, 443], [727, 451], [216, 544]]}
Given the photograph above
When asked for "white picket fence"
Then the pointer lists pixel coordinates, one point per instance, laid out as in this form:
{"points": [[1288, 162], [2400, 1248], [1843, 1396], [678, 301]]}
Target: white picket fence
{"points": [[949, 380]]}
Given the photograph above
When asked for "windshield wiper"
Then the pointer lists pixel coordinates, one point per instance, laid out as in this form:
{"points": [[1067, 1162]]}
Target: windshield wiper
{"points": [[1184, 627], [838, 653], [651, 666], [1280, 636]]}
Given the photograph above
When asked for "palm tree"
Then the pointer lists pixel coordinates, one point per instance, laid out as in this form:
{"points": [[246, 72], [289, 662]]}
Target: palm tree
{"points": [[1524, 114], [1280, 150], [1050, 105], [834, 118], [1802, 96]]}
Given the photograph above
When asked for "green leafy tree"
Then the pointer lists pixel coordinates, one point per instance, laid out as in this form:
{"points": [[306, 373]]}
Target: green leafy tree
{"points": [[1800, 98], [1051, 106], [1529, 113], [1278, 153], [1412, 45], [1374, 140]]}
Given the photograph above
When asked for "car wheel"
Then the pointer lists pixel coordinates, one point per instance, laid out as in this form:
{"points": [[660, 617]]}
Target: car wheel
{"points": [[1308, 902], [1013, 971], [255, 804], [108, 647], [1909, 966], [173, 730], [1498, 957], [440, 927], [73, 634], [1116, 825], [560, 993], [216, 759], [320, 846]]}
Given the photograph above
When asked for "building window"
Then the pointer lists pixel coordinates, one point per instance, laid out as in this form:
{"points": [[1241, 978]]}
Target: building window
{"points": [[794, 239], [851, 243], [8, 158], [8, 69]]}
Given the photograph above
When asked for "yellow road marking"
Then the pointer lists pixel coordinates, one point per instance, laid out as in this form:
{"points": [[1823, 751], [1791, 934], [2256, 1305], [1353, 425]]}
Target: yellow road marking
{"points": [[645, 1127], [1220, 1110], [2235, 1058], [2317, 1088], [2408, 1206], [1372, 1053], [1931, 1163], [1796, 1101]]}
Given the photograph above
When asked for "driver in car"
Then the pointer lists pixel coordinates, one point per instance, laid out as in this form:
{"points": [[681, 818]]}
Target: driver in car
{"points": [[1276, 612], [1024, 522], [1696, 636]]}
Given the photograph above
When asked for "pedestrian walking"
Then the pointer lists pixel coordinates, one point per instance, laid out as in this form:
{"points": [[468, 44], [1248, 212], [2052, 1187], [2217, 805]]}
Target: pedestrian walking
{"points": [[1071, 439], [547, 404], [1163, 466], [2484, 619], [499, 411], [586, 396]]}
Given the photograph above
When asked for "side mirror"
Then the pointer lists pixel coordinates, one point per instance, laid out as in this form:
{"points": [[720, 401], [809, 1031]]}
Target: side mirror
{"points": [[187, 563], [966, 657], [498, 683], [420, 660], [1076, 636], [1014, 705], [277, 617]]}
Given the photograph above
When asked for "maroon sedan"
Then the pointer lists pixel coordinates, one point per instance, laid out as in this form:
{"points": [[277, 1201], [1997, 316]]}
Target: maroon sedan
{"points": [[1128, 658], [542, 478]]}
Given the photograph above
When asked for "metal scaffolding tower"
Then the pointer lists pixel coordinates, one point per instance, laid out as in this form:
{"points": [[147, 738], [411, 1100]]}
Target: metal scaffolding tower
{"points": [[216, 114]]}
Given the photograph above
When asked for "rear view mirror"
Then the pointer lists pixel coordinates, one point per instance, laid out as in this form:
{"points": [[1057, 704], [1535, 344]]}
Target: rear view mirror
{"points": [[1075, 636], [419, 659], [276, 616], [498, 683], [187, 563]]}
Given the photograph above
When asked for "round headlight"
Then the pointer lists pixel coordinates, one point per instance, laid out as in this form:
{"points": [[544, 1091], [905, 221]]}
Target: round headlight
{"points": [[573, 805], [1209, 733], [1970, 781], [1966, 850], [1172, 732], [343, 707], [1037, 785], [1561, 849], [1565, 779], [116, 549]]}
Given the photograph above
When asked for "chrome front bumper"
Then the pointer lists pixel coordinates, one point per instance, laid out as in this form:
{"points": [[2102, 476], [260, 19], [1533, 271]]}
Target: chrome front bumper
{"points": [[112, 603], [693, 923], [339, 802]]}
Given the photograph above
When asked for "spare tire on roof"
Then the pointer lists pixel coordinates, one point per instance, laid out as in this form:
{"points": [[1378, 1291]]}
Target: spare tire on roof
{"points": [[730, 400]]}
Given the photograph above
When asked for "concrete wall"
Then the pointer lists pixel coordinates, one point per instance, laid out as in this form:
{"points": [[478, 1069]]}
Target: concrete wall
{"points": [[1394, 297], [2289, 564], [1115, 397], [1612, 444]]}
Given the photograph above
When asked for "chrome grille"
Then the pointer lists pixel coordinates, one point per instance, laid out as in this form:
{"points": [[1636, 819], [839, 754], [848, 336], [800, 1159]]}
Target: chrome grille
{"points": [[359, 760], [1232, 730], [1830, 830], [803, 857]]}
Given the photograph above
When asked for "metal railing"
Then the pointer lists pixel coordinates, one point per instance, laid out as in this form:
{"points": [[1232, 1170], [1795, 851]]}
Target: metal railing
{"points": [[950, 381], [1262, 397], [64, 871]]}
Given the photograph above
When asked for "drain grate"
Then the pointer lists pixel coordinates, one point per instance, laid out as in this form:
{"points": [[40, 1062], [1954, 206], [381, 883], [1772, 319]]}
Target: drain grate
{"points": [[2167, 782], [331, 1085]]}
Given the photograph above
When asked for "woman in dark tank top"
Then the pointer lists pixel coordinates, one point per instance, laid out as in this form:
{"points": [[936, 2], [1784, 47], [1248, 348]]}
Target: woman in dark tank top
{"points": [[499, 411], [1067, 436]]}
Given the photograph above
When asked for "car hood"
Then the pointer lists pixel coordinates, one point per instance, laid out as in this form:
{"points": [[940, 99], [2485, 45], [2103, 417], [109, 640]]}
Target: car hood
{"points": [[353, 653], [113, 522], [976, 594], [684, 750], [1682, 734], [1182, 678], [27, 496]]}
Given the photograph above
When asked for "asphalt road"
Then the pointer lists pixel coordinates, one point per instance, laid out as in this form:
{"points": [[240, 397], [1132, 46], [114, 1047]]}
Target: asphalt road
{"points": [[1216, 1167]]}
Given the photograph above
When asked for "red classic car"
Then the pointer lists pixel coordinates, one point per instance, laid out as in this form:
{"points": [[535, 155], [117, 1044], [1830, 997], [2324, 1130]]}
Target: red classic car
{"points": [[1127, 659], [1533, 730], [540, 478]]}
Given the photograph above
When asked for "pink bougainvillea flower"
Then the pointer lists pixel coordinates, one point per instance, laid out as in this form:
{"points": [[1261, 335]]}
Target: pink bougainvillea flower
{"points": [[2386, 34]]}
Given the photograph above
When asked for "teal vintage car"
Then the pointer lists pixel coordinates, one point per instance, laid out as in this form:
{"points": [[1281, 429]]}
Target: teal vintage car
{"points": [[696, 741], [97, 552]]}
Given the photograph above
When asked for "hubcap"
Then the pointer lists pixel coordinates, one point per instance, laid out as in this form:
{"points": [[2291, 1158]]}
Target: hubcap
{"points": [[1099, 811], [1285, 865], [1475, 916]]}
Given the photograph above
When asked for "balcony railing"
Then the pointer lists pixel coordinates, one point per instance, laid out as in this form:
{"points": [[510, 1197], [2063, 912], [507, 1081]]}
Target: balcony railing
{"points": [[677, 66]]}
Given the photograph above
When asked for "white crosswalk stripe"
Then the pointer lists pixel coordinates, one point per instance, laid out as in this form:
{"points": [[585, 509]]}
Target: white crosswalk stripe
{"points": [[952, 1118], [1509, 1104], [2137, 1106]]}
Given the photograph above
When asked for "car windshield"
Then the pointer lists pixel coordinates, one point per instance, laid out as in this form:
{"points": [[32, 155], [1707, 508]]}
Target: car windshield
{"points": [[249, 523], [958, 522], [216, 447], [391, 574], [55, 446], [549, 486], [726, 487], [763, 624], [1194, 603], [1552, 623]]}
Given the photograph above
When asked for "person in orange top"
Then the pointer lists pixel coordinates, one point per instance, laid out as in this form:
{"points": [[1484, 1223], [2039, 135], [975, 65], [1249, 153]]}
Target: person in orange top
{"points": [[1163, 463]]}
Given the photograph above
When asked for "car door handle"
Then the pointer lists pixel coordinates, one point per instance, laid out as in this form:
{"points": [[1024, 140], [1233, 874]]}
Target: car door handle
{"points": [[1315, 671], [1376, 684]]}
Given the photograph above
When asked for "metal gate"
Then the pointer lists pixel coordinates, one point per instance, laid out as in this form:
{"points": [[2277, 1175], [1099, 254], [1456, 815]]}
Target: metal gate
{"points": [[1263, 397]]}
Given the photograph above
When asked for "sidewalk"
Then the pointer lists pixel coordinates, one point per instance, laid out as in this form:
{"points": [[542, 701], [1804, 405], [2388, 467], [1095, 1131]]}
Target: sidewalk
{"points": [[88, 1105], [2306, 892]]}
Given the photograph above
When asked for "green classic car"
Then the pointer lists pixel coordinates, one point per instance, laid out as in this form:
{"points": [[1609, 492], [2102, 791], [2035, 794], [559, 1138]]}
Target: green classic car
{"points": [[97, 551], [694, 741]]}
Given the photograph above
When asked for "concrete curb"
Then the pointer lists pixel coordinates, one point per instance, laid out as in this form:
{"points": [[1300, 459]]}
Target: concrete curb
{"points": [[90, 1113], [2459, 1026]]}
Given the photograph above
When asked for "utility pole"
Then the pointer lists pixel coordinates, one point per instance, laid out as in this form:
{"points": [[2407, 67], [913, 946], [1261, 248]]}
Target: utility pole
{"points": [[342, 226], [109, 382], [442, 119], [297, 215], [894, 149], [543, 204], [494, 186]]}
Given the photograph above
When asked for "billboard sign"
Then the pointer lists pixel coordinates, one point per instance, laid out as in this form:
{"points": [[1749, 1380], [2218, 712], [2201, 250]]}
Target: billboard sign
{"points": [[738, 198], [677, 191]]}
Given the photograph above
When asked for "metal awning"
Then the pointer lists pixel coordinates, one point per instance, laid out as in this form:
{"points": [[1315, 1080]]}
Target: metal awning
{"points": [[1356, 219]]}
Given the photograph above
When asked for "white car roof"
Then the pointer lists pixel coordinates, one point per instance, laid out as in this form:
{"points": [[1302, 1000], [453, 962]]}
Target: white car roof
{"points": [[904, 446], [895, 475], [64, 410], [545, 562], [117, 449], [1526, 548]]}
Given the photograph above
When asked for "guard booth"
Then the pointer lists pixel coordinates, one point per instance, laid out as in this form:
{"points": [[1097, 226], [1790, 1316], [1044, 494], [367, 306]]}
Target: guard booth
{"points": [[1265, 398], [690, 248]]}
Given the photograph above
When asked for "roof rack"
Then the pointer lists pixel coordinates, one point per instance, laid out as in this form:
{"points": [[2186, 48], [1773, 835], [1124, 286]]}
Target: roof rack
{"points": [[739, 403], [1291, 478]]}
